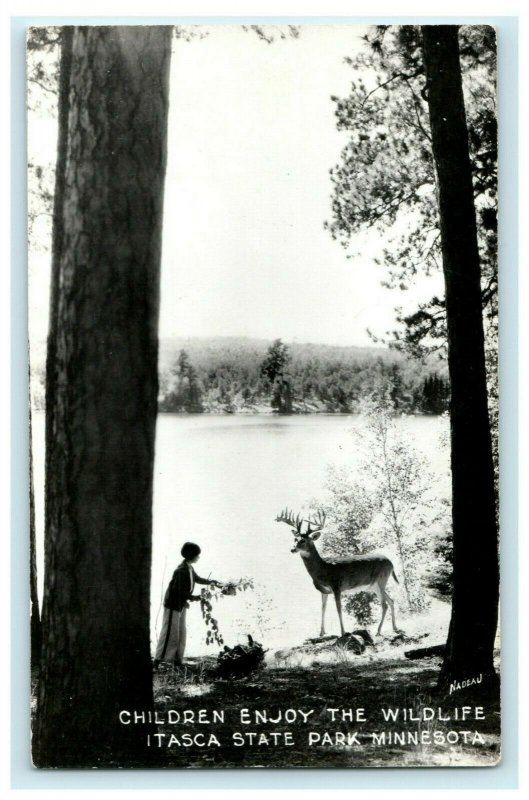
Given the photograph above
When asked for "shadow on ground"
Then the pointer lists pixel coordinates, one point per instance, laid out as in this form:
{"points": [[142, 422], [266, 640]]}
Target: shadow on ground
{"points": [[319, 706]]}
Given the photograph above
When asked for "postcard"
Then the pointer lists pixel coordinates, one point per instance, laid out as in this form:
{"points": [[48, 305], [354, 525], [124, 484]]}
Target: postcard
{"points": [[263, 329]]}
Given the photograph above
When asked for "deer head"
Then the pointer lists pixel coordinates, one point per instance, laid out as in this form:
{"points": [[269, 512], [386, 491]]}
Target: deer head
{"points": [[303, 541]]}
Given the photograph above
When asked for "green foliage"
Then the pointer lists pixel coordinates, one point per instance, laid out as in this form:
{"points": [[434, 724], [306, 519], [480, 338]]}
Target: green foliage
{"points": [[211, 593], [182, 390], [350, 510], [274, 369], [269, 33], [491, 365], [392, 505], [229, 376], [42, 63], [434, 395], [386, 179], [213, 633], [403, 495], [43, 48], [360, 606], [241, 660], [439, 572]]}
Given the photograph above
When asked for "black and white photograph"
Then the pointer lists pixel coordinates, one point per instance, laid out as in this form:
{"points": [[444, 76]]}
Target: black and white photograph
{"points": [[263, 360]]}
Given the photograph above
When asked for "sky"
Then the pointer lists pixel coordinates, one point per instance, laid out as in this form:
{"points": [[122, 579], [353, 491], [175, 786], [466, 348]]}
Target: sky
{"points": [[251, 139]]}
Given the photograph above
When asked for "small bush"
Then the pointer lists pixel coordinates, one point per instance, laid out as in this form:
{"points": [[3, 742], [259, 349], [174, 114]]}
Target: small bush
{"points": [[360, 606], [241, 660]]}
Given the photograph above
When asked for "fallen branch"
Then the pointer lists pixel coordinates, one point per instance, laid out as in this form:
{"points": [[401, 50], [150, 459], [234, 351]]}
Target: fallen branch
{"points": [[426, 652]]}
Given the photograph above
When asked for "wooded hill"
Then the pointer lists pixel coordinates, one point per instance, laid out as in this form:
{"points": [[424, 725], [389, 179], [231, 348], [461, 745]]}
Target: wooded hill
{"points": [[224, 375]]}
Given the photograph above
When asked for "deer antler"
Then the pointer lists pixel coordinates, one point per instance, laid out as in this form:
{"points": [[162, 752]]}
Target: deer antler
{"points": [[288, 517], [319, 522]]}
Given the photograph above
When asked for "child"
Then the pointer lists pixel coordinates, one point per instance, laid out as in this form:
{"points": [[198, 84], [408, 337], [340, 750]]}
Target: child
{"points": [[172, 641]]}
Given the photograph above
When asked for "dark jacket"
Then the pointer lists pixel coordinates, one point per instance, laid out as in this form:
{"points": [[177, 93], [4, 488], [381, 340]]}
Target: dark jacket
{"points": [[179, 590]]}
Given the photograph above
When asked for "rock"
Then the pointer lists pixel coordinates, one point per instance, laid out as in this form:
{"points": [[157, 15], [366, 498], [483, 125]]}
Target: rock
{"points": [[365, 635], [350, 641], [398, 640]]}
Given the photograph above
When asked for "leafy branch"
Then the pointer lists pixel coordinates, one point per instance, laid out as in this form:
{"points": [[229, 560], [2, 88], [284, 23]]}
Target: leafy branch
{"points": [[214, 593]]}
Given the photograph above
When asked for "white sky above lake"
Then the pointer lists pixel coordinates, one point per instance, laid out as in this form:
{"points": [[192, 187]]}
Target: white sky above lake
{"points": [[252, 136]]}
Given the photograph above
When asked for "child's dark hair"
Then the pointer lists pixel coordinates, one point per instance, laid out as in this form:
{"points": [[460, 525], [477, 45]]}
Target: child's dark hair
{"points": [[190, 550]]}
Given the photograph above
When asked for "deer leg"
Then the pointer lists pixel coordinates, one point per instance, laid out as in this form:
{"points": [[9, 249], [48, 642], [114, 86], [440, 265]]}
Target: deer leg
{"points": [[324, 598], [338, 600], [392, 609], [384, 604]]}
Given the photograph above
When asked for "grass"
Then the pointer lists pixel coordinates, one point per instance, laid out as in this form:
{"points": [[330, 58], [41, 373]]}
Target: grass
{"points": [[319, 679]]}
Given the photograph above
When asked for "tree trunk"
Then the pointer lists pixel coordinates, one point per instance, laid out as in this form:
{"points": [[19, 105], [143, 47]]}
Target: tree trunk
{"points": [[473, 623], [101, 395]]}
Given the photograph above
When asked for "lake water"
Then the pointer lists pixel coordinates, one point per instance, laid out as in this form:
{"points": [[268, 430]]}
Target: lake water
{"points": [[220, 481]]}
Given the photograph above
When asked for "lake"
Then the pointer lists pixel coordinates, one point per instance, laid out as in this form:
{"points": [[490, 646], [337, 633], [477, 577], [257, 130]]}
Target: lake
{"points": [[221, 481]]}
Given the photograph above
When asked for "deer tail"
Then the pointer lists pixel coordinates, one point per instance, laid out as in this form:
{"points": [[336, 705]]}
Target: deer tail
{"points": [[393, 573]]}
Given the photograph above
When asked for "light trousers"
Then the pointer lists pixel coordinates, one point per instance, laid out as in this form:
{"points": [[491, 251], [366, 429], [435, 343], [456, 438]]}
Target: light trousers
{"points": [[172, 640]]}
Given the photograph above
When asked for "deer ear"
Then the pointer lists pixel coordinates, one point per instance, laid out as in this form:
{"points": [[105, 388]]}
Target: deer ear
{"points": [[315, 535]]}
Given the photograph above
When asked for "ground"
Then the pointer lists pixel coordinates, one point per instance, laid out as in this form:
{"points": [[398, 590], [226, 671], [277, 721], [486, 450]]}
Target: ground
{"points": [[318, 704], [338, 691]]}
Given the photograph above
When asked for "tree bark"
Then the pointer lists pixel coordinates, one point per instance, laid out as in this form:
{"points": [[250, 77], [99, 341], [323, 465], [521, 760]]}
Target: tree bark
{"points": [[101, 395], [473, 623]]}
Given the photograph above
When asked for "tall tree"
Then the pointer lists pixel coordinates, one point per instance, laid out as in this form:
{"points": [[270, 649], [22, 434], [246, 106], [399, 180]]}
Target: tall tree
{"points": [[101, 394], [386, 177], [475, 558], [192, 391], [274, 368]]}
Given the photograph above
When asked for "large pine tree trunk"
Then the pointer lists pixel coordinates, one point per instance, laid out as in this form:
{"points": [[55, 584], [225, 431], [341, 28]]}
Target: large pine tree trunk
{"points": [[101, 394], [473, 623]]}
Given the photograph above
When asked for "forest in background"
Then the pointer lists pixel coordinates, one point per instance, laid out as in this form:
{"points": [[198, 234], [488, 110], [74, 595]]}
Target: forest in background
{"points": [[225, 375]]}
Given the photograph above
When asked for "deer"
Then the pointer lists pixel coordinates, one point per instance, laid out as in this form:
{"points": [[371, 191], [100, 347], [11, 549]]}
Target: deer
{"points": [[370, 572]]}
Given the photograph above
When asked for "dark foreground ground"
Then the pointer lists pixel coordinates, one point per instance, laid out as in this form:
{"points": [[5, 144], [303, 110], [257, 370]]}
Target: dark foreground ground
{"points": [[336, 694]]}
